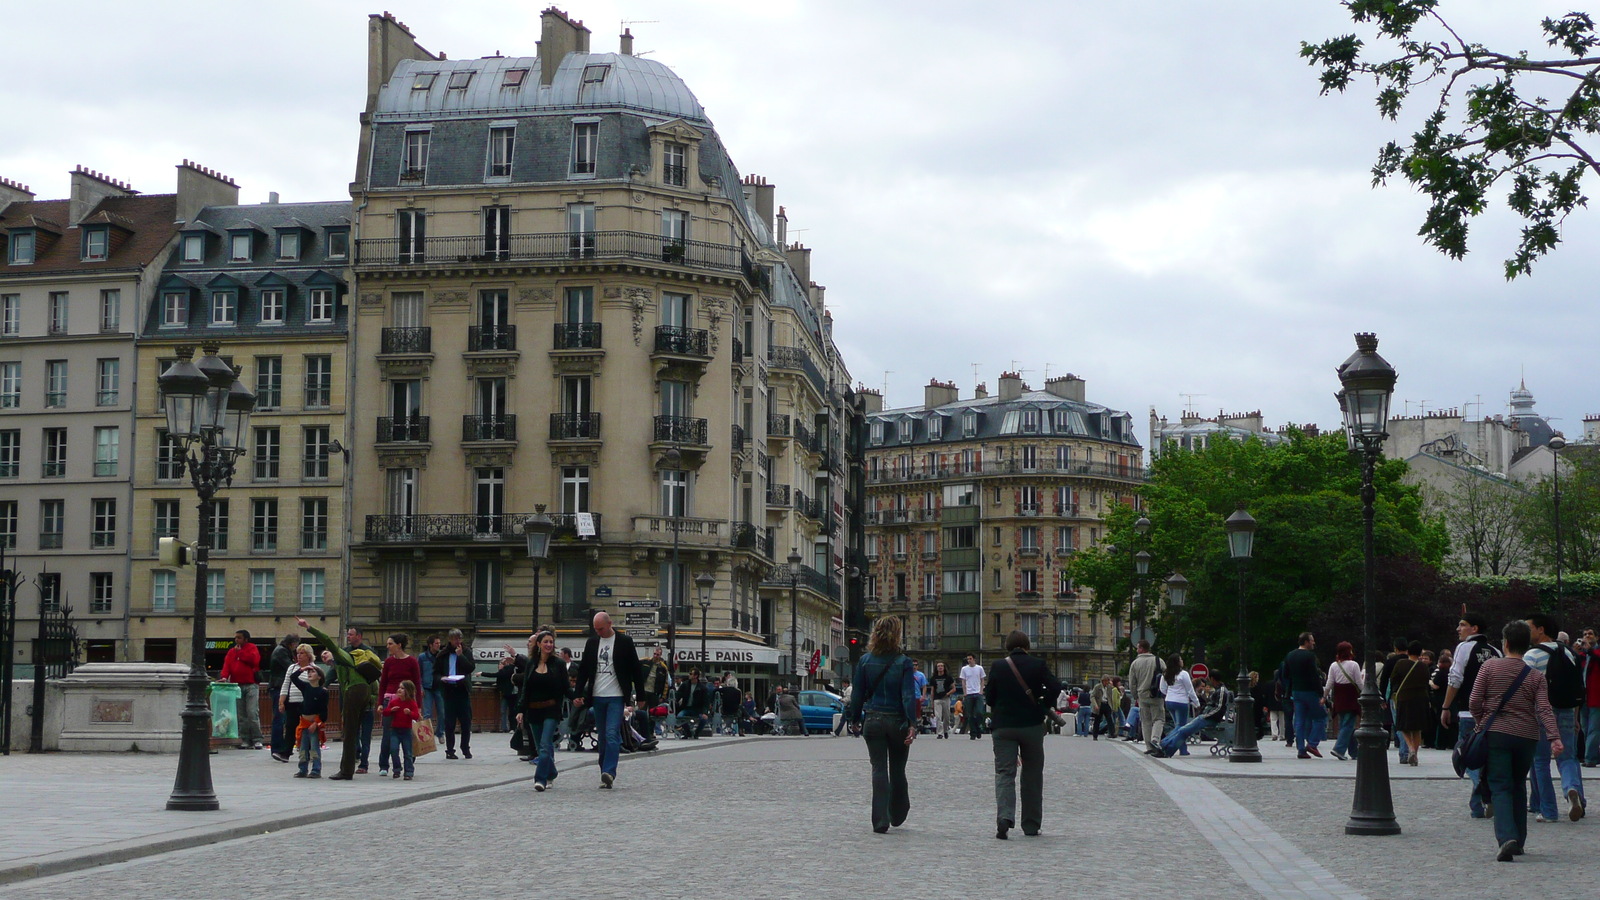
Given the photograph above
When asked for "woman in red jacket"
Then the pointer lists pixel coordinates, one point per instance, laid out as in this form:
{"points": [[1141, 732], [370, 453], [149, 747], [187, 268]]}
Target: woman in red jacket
{"points": [[398, 667]]}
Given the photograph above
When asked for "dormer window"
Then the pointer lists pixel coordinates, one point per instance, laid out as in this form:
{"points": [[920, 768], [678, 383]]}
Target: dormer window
{"points": [[241, 248], [194, 248], [414, 167], [174, 309], [459, 81], [272, 307], [288, 245], [672, 164], [585, 138], [969, 424], [595, 74], [320, 309], [876, 435], [338, 244], [424, 81], [22, 247], [224, 308], [502, 141], [1030, 421], [514, 78], [935, 427], [96, 244]]}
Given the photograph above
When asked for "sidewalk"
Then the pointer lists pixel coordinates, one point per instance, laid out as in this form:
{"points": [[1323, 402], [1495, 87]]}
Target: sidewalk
{"points": [[1278, 761], [62, 812]]}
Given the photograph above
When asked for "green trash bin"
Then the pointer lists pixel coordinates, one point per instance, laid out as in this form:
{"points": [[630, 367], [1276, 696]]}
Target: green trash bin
{"points": [[224, 699]]}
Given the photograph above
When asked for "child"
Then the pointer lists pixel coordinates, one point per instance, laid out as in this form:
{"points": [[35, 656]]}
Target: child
{"points": [[403, 712], [313, 712]]}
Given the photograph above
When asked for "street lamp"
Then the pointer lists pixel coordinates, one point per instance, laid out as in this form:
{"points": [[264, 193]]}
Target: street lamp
{"points": [[208, 411], [536, 529], [674, 460], [1177, 591], [795, 562], [703, 582], [1241, 529], [1141, 568], [1556, 445], [1368, 383]]}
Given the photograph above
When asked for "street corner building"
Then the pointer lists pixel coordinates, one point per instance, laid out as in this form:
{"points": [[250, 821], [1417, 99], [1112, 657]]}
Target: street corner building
{"points": [[569, 299]]}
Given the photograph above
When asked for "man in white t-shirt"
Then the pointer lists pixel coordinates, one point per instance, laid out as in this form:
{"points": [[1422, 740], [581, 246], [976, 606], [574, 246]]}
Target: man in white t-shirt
{"points": [[608, 679], [972, 678]]}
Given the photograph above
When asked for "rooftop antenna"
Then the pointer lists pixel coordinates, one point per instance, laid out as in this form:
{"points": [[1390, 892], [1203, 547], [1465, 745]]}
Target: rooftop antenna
{"points": [[975, 374], [886, 374], [1476, 401], [1188, 402], [1047, 371]]}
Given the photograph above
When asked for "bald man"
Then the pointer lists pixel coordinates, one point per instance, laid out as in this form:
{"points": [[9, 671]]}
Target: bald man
{"points": [[609, 675]]}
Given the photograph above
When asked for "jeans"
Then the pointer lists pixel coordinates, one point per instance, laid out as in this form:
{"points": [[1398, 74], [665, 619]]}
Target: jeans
{"points": [[608, 730], [1464, 726], [1510, 757], [433, 704], [1394, 732], [249, 710], [1177, 717], [1542, 795], [310, 745], [397, 743], [544, 731], [1175, 741], [365, 746], [972, 704], [1309, 720], [1010, 744], [1345, 743], [1103, 718], [384, 754], [1081, 726], [1591, 733], [885, 734], [282, 731], [457, 710]]}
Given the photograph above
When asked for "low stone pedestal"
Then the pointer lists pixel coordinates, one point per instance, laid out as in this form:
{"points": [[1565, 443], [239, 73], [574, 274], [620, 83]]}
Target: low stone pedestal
{"points": [[117, 707]]}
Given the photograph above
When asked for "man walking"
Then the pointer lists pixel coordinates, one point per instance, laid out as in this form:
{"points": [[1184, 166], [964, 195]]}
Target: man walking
{"points": [[943, 686], [1304, 678], [608, 677], [1474, 650], [239, 667], [1589, 655], [1103, 701], [1386, 691], [277, 671], [452, 670], [1148, 686], [972, 678], [1565, 688]]}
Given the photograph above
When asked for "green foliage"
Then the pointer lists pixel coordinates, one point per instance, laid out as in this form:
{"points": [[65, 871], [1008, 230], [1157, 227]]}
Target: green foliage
{"points": [[1495, 130], [1305, 497], [1580, 514]]}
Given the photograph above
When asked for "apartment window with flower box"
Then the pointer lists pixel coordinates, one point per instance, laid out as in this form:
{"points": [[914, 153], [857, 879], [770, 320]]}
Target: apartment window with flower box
{"points": [[264, 526], [269, 383], [313, 590], [102, 592], [263, 590], [216, 590], [8, 524], [163, 591], [55, 383], [109, 390], [107, 451], [267, 453], [55, 453], [110, 311], [1029, 581], [314, 523], [10, 453], [10, 385], [52, 523], [319, 382]]}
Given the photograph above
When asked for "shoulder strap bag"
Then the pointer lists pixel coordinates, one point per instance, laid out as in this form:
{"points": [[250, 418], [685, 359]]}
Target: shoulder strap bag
{"points": [[1473, 753], [1054, 716]]}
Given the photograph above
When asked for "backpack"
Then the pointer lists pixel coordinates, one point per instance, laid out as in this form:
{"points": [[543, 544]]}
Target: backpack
{"points": [[1482, 651], [1565, 685]]}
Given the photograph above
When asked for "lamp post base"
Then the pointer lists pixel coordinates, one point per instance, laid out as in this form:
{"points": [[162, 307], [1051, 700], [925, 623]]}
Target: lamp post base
{"points": [[1372, 811], [191, 790], [1244, 726]]}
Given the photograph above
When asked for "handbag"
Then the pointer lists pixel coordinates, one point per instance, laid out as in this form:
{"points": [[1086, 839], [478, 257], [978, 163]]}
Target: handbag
{"points": [[1049, 712], [423, 740], [1473, 752]]}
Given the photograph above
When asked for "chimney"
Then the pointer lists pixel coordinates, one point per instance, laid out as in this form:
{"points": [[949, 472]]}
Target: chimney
{"points": [[782, 232], [1069, 387], [799, 258], [871, 400], [1010, 386], [981, 392], [388, 42], [88, 189], [13, 192], [626, 42], [938, 393], [558, 36], [760, 196], [272, 196], [200, 187]]}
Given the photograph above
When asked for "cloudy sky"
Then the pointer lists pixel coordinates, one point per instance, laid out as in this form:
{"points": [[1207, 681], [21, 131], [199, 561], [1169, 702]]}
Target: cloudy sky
{"points": [[1151, 196]]}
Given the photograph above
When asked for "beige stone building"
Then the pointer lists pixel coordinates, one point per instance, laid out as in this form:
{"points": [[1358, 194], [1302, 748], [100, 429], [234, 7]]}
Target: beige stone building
{"points": [[972, 506], [569, 298]]}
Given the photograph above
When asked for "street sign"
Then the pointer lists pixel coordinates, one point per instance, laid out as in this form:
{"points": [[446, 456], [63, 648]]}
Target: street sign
{"points": [[632, 619], [639, 604], [1199, 670]]}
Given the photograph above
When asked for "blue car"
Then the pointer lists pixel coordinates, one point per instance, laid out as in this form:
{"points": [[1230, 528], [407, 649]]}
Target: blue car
{"points": [[818, 709]]}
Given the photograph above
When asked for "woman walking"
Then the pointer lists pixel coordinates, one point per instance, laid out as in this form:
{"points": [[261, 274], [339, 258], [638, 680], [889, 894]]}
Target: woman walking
{"points": [[544, 686], [1181, 698], [1512, 702], [1344, 690], [1013, 693], [1410, 699], [884, 704]]}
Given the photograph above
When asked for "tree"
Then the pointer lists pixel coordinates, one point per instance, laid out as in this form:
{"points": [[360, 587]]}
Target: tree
{"points": [[1489, 119], [1486, 520], [1580, 513]]}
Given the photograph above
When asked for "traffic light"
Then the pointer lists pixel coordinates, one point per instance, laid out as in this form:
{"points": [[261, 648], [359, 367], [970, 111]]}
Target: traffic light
{"points": [[172, 552]]}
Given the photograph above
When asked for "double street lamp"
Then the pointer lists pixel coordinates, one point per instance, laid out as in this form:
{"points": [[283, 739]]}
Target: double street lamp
{"points": [[1241, 529], [1368, 384], [537, 529], [795, 562], [703, 583], [208, 411]]}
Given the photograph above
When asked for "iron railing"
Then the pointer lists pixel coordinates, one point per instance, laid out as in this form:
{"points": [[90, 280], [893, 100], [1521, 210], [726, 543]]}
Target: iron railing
{"points": [[777, 425], [574, 426], [402, 429], [489, 428], [798, 358], [397, 612], [551, 247], [738, 351], [680, 430], [681, 341], [738, 438], [420, 527], [890, 474], [491, 337], [778, 495], [407, 340], [746, 536], [577, 336]]}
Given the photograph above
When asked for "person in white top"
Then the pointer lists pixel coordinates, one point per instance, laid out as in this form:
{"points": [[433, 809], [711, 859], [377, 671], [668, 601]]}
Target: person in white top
{"points": [[1345, 679], [1182, 701], [972, 678]]}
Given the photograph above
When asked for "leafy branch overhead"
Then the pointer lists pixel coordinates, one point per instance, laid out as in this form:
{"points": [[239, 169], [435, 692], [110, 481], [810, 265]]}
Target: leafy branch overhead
{"points": [[1497, 119]]}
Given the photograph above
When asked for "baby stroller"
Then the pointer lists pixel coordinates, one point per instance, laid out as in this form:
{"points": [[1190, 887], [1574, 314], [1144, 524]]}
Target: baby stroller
{"points": [[585, 740], [1221, 733]]}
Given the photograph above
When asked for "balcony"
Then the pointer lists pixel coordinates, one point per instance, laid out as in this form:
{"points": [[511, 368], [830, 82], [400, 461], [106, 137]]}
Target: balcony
{"points": [[927, 601], [676, 340], [461, 527], [925, 642], [680, 430], [738, 439], [551, 247], [407, 341], [1027, 596], [403, 430], [575, 426], [809, 578], [691, 532], [397, 612], [804, 437], [810, 507], [577, 336], [778, 495], [777, 425], [738, 352], [1065, 642], [797, 359], [1027, 509], [1028, 552], [747, 536], [930, 555], [482, 338], [489, 428]]}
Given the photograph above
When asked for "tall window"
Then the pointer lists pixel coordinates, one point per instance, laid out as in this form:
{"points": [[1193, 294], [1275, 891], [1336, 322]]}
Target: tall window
{"points": [[107, 450], [55, 453], [263, 525], [674, 398], [49, 584], [216, 590], [167, 514], [55, 383], [272, 307], [1030, 458], [267, 452], [10, 314], [110, 310], [412, 230], [401, 492], [319, 382], [110, 387], [1028, 624], [105, 523], [572, 590], [674, 226], [58, 312], [322, 303], [574, 489], [10, 453], [314, 523], [313, 590], [169, 457], [314, 452], [219, 526], [930, 585], [488, 598], [674, 492], [175, 309], [496, 231], [10, 384], [163, 591], [8, 524], [580, 229], [1064, 541], [672, 164], [269, 382], [489, 499], [399, 590], [1063, 457], [494, 320], [415, 163], [52, 523], [1030, 580], [263, 590], [502, 141], [585, 140], [1028, 538], [224, 308]]}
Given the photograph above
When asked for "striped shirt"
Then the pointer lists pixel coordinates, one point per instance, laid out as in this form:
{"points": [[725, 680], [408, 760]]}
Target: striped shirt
{"points": [[1525, 711]]}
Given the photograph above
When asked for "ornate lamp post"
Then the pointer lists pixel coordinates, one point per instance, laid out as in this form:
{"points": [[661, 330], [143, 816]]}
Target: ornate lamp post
{"points": [[703, 583], [674, 460], [537, 528], [1556, 445], [1241, 529], [795, 561], [1368, 383], [1177, 591], [208, 411]]}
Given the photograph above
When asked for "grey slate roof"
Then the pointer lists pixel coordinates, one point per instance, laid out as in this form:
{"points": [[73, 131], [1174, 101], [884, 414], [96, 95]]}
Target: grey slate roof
{"points": [[632, 83], [1091, 420]]}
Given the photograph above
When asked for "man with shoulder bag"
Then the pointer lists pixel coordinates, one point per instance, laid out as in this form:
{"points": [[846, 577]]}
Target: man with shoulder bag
{"points": [[1474, 650], [1146, 681], [1566, 692]]}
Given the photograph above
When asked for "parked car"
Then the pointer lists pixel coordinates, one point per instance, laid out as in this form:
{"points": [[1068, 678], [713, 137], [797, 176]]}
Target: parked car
{"points": [[818, 709]]}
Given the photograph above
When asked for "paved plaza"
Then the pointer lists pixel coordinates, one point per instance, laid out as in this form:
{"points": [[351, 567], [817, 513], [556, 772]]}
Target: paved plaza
{"points": [[755, 817]]}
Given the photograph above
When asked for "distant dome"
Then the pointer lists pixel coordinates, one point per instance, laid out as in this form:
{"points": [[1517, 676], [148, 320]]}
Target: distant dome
{"points": [[583, 81]]}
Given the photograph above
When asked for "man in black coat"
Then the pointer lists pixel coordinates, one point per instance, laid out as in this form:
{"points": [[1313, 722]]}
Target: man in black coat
{"points": [[609, 676]]}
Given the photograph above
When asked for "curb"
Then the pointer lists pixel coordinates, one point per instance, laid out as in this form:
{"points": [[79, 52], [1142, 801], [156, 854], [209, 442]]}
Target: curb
{"points": [[1250, 771], [200, 835]]}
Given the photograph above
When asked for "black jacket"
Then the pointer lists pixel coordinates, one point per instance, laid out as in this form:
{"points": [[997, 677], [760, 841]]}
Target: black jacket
{"points": [[625, 663], [464, 666], [1008, 701], [536, 688]]}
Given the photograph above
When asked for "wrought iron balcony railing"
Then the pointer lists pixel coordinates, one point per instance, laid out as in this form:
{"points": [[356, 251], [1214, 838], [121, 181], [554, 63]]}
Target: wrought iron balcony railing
{"points": [[577, 336], [495, 337], [551, 247], [489, 428], [574, 426], [778, 495], [777, 425], [680, 430], [420, 527], [407, 340], [402, 429], [682, 341]]}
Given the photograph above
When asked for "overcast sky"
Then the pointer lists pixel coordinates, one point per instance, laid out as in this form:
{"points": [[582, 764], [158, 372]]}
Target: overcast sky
{"points": [[1151, 196]]}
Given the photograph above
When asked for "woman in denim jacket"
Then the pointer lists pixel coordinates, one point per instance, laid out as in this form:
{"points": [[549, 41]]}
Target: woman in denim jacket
{"points": [[886, 692]]}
